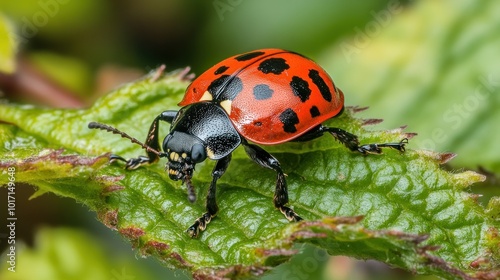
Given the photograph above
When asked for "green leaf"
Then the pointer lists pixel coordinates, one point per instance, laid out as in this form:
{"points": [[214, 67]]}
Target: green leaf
{"points": [[400, 208], [433, 67], [7, 46]]}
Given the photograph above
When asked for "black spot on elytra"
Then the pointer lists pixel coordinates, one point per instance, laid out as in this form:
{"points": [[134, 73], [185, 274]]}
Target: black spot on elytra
{"points": [[320, 83], [300, 88], [216, 85], [289, 119], [225, 87], [314, 111], [273, 65], [262, 92], [248, 56], [221, 70]]}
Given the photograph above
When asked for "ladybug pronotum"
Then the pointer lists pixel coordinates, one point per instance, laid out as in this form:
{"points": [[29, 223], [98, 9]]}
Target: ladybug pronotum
{"points": [[267, 97]]}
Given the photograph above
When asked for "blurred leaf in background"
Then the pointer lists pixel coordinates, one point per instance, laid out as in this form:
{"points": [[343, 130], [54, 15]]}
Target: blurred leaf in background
{"points": [[7, 46], [433, 67], [63, 253], [302, 26]]}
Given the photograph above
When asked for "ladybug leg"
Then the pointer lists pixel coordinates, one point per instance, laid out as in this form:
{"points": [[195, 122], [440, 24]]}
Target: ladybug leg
{"points": [[264, 159], [201, 223], [351, 141], [152, 141], [375, 148]]}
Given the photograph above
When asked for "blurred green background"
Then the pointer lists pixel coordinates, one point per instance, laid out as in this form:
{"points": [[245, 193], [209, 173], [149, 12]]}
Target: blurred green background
{"points": [[431, 65]]}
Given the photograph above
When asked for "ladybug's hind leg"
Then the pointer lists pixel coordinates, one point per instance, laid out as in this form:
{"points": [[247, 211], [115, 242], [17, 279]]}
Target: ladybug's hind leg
{"points": [[201, 223], [351, 141], [264, 159]]}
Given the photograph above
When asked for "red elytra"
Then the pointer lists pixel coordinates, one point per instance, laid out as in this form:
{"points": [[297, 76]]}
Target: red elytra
{"points": [[271, 95]]}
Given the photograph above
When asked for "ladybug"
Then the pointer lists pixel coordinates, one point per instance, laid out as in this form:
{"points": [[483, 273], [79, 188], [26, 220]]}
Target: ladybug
{"points": [[265, 97]]}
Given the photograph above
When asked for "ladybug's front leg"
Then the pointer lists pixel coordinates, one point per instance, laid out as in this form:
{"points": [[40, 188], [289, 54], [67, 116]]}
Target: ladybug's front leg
{"points": [[212, 208], [264, 159]]}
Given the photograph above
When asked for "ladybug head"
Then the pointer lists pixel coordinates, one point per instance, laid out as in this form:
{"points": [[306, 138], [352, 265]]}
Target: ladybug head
{"points": [[184, 151]]}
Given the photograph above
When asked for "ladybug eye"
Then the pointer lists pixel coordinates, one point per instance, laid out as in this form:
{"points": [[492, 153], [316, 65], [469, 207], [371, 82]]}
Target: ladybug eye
{"points": [[165, 142], [198, 153]]}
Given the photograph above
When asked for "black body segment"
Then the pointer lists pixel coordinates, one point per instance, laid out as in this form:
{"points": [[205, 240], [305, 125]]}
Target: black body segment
{"points": [[208, 122]]}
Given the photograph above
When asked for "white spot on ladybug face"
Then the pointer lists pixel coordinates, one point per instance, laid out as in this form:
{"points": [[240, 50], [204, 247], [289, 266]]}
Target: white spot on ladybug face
{"points": [[206, 96], [226, 105], [174, 156]]}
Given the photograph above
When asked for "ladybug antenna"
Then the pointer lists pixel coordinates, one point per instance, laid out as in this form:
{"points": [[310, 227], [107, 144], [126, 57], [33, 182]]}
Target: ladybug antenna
{"points": [[190, 189], [96, 125]]}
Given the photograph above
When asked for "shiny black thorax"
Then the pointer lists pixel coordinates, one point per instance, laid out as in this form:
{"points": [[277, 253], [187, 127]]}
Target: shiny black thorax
{"points": [[209, 124], [198, 131]]}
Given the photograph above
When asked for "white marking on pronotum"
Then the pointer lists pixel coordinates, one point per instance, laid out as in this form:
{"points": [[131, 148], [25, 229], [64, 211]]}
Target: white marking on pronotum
{"points": [[206, 96], [210, 153], [226, 105]]}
